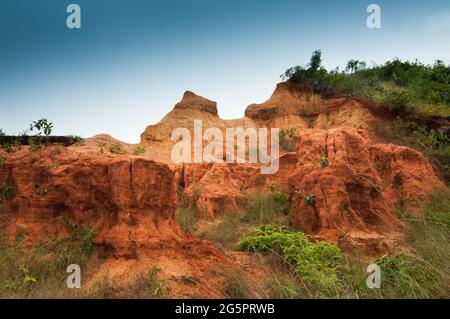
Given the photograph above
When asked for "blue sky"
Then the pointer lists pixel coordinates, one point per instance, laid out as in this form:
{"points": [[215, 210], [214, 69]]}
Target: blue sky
{"points": [[132, 59]]}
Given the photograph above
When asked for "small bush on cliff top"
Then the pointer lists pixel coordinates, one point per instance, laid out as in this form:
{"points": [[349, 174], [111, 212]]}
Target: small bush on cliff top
{"points": [[139, 150], [399, 86], [116, 149]]}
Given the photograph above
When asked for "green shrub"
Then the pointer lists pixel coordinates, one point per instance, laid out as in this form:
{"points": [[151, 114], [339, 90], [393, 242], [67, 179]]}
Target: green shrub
{"points": [[396, 102], [315, 264], [7, 147], [73, 139], [6, 192], [85, 234], [116, 149], [396, 85], [35, 144], [139, 150], [42, 126], [324, 162]]}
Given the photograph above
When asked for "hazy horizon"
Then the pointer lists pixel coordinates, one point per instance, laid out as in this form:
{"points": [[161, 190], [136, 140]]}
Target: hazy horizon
{"points": [[132, 60]]}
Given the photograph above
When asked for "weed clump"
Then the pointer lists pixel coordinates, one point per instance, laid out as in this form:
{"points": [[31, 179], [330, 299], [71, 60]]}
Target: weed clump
{"points": [[187, 217], [267, 207]]}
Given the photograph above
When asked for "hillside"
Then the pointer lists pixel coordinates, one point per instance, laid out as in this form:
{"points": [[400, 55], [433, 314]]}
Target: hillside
{"points": [[343, 197]]}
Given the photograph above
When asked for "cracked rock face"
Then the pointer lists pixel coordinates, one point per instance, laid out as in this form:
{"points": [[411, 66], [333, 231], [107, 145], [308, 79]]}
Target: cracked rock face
{"points": [[360, 188], [130, 202]]}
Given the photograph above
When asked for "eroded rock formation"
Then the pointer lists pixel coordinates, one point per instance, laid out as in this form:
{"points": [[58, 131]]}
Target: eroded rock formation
{"points": [[131, 200]]}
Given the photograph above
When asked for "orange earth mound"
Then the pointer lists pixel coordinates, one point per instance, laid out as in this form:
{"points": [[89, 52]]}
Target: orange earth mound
{"points": [[131, 200]]}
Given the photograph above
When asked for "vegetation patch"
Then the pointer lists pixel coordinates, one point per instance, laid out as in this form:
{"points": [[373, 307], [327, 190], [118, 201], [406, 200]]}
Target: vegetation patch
{"points": [[315, 264], [399, 86], [225, 233], [139, 150], [266, 207], [85, 234], [187, 217], [288, 139], [116, 149]]}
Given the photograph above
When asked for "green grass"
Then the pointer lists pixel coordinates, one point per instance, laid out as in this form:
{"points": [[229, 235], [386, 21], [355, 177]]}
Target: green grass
{"points": [[266, 207], [39, 271], [187, 217], [85, 234], [225, 233]]}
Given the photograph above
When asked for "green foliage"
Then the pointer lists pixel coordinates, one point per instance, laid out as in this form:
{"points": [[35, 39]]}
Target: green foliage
{"points": [[399, 86], [288, 139], [267, 207], [42, 126], [139, 150], [313, 74], [324, 162], [187, 217], [2, 133], [310, 199], [11, 147], [35, 144], [407, 276], [6, 192], [73, 139], [116, 149], [396, 102], [7, 147], [315, 263], [355, 65], [85, 234]]}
